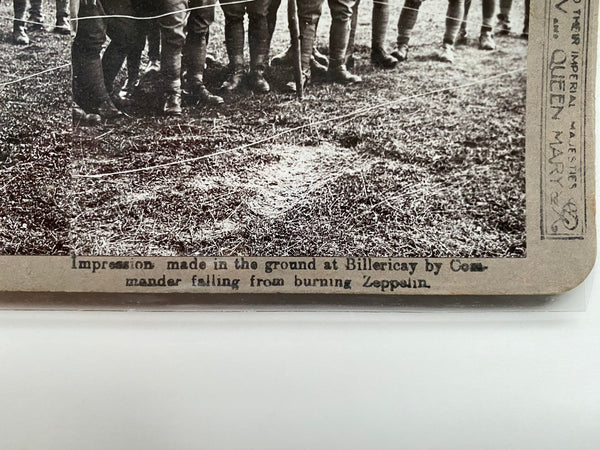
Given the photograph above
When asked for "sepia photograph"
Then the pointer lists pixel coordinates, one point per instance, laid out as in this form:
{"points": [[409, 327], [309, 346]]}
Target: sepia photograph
{"points": [[264, 128]]}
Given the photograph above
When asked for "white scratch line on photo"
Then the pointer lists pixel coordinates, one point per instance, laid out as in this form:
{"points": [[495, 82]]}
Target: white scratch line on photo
{"points": [[356, 113], [165, 15], [124, 16], [18, 80]]}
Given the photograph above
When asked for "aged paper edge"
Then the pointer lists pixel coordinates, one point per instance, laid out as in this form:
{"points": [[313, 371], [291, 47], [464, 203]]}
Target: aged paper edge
{"points": [[561, 239]]}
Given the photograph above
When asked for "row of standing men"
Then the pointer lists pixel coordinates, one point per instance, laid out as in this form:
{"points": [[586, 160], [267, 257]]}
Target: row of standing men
{"points": [[184, 35]]}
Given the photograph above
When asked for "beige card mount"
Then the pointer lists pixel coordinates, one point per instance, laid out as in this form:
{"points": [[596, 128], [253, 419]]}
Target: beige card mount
{"points": [[471, 177]]}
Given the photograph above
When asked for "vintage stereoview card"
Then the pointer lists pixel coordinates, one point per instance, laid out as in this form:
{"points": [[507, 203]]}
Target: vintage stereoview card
{"points": [[384, 147]]}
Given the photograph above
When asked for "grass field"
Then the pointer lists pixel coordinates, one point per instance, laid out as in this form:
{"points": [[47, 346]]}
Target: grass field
{"points": [[437, 171]]}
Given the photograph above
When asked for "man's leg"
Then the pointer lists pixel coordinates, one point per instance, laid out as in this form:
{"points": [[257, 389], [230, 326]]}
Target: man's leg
{"points": [[89, 90], [341, 15], [124, 36], [352, 38], [380, 19], [153, 36], [63, 26], [19, 29], [36, 15], [379, 23], [172, 40], [525, 33], [454, 17], [462, 37], [151, 31], [504, 17], [318, 61], [272, 18], [486, 38], [134, 60], [406, 25], [258, 40], [135, 50], [309, 12], [194, 51], [234, 41]]}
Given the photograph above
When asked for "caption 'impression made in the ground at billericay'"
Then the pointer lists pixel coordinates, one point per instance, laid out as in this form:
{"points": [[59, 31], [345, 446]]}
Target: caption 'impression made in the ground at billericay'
{"points": [[384, 275]]}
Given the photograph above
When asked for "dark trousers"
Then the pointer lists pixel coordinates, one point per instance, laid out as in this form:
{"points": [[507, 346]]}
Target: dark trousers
{"points": [[147, 29], [408, 18], [339, 33], [35, 11], [173, 35], [487, 15], [379, 24], [309, 13], [93, 76], [196, 42], [506, 6], [258, 32]]}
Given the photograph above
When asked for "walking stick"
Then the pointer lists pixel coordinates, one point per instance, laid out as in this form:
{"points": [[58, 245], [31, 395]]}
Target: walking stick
{"points": [[294, 25]]}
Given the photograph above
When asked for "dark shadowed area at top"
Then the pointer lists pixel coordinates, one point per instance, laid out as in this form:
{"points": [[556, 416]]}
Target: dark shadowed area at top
{"points": [[436, 172]]}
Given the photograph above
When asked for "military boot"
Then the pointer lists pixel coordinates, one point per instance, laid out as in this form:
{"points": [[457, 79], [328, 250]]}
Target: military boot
{"points": [[194, 60], [447, 53], [352, 36], [503, 27], [308, 31], [257, 80], [381, 58], [112, 61], [63, 26], [317, 68], [258, 37], [234, 41], [172, 104], [170, 72], [107, 111], [20, 36], [89, 90], [80, 117], [128, 90], [305, 79], [203, 95], [282, 59], [319, 57], [36, 22], [401, 53], [380, 19], [318, 61], [235, 78], [486, 40], [341, 74], [338, 43], [463, 38]]}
